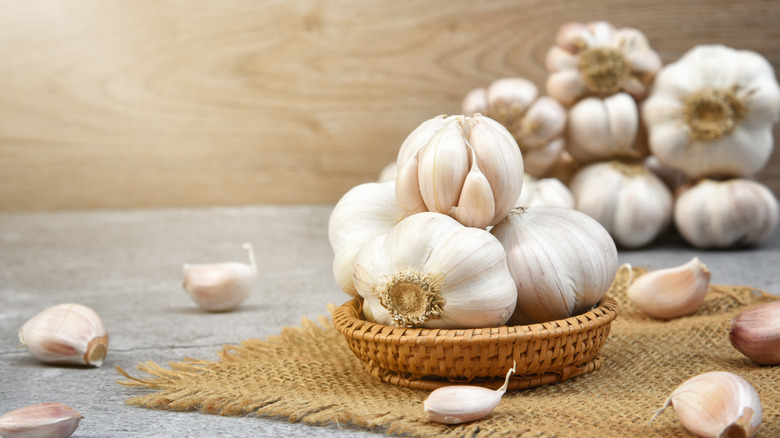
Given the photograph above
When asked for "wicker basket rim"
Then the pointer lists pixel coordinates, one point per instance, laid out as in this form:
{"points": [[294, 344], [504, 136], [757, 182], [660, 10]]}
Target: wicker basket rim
{"points": [[347, 320]]}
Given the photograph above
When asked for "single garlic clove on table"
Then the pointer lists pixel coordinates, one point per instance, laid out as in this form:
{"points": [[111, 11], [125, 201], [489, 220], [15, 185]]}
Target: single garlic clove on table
{"points": [[717, 404], [672, 292], [457, 404], [755, 332], [44, 420], [221, 286], [66, 333]]}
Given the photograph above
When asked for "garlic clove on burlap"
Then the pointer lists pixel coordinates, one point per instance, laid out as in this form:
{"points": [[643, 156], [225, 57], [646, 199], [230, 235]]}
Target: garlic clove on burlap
{"points": [[711, 112], [632, 203], [544, 191], [66, 333], [446, 154], [457, 404], [44, 420], [431, 271], [671, 292], [755, 332], [596, 59], [364, 212], [562, 262], [720, 214], [717, 404], [218, 287]]}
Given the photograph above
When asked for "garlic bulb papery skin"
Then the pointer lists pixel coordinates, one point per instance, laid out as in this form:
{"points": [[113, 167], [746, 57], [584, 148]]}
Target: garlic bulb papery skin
{"points": [[219, 287], [604, 129], [716, 404], [562, 262], [596, 59], [44, 420], [755, 332], [711, 112], [364, 212], [545, 191], [66, 333], [431, 271], [537, 123], [467, 167], [632, 203], [671, 292], [722, 214], [456, 404]]}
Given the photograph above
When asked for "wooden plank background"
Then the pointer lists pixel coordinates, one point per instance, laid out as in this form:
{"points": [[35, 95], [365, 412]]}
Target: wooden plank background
{"points": [[138, 103]]}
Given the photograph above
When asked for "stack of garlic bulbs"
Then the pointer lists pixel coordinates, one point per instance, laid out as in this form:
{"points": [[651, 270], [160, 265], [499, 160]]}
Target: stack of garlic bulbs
{"points": [[442, 245]]}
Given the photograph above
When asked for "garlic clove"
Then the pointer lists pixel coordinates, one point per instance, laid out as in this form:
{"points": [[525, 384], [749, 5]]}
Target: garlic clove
{"points": [[671, 292], [544, 191], [755, 332], [543, 122], [66, 333], [509, 98], [574, 37], [421, 136], [219, 287], [388, 172], [603, 129], [407, 186], [542, 161], [457, 404], [475, 102], [566, 86], [716, 404], [476, 203], [558, 58], [444, 163], [45, 420]]}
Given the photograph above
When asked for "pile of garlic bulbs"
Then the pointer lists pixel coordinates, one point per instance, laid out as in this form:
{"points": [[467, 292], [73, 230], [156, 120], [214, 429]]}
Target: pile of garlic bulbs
{"points": [[442, 244], [641, 145]]}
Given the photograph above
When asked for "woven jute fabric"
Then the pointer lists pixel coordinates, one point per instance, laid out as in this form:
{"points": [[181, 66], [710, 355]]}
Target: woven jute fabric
{"points": [[308, 374]]}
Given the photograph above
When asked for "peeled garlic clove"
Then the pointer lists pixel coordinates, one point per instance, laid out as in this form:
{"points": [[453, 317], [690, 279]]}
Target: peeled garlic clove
{"points": [[672, 292], [44, 420], [716, 404], [221, 286], [460, 403], [66, 333], [755, 332]]}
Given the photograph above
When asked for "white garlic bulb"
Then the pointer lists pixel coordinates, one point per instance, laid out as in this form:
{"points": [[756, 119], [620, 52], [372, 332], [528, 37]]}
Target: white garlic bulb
{"points": [[711, 112], [364, 212], [562, 262], [218, 287], [42, 420], [388, 173], [66, 333], [671, 292], [431, 271], [721, 214], [632, 203], [545, 191], [595, 59], [604, 129], [717, 404], [536, 123], [457, 404], [467, 167]]}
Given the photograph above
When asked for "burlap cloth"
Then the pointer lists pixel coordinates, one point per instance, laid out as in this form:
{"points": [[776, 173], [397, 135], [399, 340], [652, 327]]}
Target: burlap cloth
{"points": [[308, 374]]}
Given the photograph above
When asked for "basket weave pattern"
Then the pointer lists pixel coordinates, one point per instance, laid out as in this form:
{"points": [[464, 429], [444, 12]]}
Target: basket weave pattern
{"points": [[428, 358]]}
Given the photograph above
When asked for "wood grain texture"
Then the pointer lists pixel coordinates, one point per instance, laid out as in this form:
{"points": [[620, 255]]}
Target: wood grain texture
{"points": [[193, 103]]}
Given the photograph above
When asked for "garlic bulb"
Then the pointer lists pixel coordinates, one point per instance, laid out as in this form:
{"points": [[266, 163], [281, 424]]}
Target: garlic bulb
{"points": [[457, 404], [218, 287], [632, 203], [595, 59], [467, 167], [430, 271], [671, 292], [388, 173], [716, 404], [535, 122], [755, 332], [45, 420], [604, 129], [364, 212], [711, 112], [545, 191], [720, 214], [562, 262], [66, 333]]}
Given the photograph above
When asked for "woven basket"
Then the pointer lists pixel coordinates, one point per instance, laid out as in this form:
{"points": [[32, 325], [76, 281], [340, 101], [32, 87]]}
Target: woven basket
{"points": [[430, 358]]}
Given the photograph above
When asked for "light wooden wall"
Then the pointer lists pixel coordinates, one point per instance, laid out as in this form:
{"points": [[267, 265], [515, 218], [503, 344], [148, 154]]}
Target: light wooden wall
{"points": [[139, 103]]}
